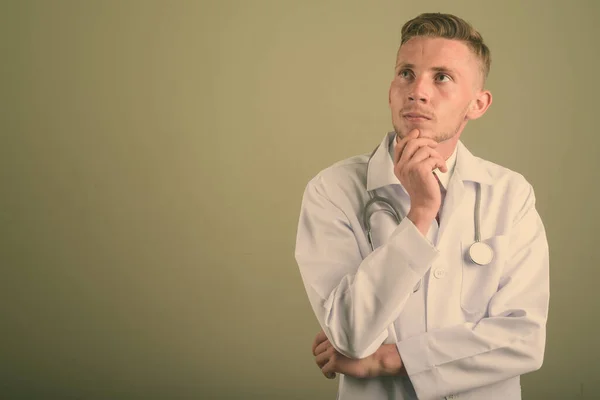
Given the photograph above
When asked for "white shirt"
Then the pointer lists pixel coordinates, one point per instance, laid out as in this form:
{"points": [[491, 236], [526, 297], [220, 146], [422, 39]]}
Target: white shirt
{"points": [[470, 331]]}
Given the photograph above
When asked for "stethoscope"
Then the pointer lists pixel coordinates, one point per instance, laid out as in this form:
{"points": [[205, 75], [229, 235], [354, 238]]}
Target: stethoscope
{"points": [[479, 252]]}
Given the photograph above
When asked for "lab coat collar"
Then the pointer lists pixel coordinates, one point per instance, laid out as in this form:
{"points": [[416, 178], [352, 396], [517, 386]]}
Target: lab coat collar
{"points": [[470, 168], [380, 171], [381, 168]]}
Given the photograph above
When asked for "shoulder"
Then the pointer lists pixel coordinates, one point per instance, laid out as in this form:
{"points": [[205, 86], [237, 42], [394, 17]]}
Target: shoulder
{"points": [[341, 177], [505, 177], [514, 188]]}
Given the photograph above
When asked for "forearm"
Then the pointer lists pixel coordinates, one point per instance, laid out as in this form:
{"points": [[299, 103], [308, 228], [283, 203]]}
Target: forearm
{"points": [[356, 298], [357, 312]]}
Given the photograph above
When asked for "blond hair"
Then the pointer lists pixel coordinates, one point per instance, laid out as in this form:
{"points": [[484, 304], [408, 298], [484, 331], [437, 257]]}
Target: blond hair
{"points": [[449, 26]]}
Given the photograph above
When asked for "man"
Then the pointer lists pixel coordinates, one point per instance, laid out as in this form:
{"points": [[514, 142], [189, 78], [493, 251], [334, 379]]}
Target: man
{"points": [[410, 310]]}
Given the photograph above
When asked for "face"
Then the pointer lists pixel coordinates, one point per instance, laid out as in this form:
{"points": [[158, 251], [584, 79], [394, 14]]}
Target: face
{"points": [[436, 88]]}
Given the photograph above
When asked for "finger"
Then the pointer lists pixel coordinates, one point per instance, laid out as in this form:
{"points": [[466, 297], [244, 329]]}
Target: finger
{"points": [[414, 145], [422, 167], [324, 357], [417, 164], [329, 375], [318, 340], [329, 369], [444, 167], [421, 154], [322, 347], [430, 164], [402, 142], [423, 162]]}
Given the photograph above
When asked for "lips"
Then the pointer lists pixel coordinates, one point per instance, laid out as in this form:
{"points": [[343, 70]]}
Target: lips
{"points": [[415, 116]]}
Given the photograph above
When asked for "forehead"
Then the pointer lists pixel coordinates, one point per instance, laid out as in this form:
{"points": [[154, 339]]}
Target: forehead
{"points": [[425, 52]]}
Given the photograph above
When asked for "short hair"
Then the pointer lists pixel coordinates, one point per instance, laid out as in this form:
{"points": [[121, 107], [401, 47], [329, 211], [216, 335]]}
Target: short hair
{"points": [[449, 26]]}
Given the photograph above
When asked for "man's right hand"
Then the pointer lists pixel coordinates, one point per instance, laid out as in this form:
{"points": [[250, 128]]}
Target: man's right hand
{"points": [[415, 158]]}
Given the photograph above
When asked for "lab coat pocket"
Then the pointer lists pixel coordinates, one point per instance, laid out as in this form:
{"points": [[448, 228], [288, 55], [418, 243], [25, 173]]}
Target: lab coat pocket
{"points": [[480, 282]]}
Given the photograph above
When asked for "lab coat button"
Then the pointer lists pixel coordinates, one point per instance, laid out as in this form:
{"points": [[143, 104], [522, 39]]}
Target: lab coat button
{"points": [[439, 273]]}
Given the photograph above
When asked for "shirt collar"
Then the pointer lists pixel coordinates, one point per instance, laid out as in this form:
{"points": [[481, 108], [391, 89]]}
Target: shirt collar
{"points": [[461, 164], [444, 177]]}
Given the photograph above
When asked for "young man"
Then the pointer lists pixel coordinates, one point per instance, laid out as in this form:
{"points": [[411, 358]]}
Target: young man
{"points": [[439, 287]]}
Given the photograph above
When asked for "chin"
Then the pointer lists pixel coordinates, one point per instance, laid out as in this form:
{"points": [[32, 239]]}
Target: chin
{"points": [[425, 133]]}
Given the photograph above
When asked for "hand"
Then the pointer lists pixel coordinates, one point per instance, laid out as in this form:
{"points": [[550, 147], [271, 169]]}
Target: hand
{"points": [[331, 361], [385, 361], [415, 158]]}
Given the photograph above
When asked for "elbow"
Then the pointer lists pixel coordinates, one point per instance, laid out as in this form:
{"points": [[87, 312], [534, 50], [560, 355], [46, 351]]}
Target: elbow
{"points": [[354, 330], [537, 359], [535, 355], [354, 341], [539, 348], [343, 343], [354, 346], [532, 342], [532, 363]]}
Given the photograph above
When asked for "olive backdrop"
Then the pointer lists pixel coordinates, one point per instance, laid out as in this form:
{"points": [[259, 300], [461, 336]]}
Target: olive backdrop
{"points": [[153, 155]]}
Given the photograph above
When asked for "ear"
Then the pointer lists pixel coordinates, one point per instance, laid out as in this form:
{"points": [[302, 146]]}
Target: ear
{"points": [[390, 94], [479, 105]]}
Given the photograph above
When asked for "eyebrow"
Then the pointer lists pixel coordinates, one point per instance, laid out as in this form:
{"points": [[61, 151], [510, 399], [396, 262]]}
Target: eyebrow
{"points": [[436, 69]]}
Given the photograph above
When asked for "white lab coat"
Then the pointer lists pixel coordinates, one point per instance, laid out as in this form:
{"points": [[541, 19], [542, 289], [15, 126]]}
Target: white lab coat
{"points": [[471, 330]]}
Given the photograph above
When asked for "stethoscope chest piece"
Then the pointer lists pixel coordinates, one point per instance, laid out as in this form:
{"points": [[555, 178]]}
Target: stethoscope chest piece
{"points": [[481, 253]]}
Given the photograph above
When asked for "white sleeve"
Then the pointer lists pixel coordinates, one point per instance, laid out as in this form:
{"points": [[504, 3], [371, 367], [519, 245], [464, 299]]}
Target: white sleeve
{"points": [[507, 343], [355, 300]]}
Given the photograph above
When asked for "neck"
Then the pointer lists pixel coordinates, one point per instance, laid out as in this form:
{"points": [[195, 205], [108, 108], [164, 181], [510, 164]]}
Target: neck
{"points": [[446, 148]]}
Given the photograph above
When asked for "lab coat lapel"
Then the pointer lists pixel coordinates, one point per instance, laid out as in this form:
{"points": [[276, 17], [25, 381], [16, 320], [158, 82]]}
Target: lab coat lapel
{"points": [[380, 171], [454, 195], [468, 168]]}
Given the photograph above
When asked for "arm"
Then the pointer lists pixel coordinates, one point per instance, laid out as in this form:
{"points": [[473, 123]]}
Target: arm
{"points": [[355, 300], [384, 362], [509, 342]]}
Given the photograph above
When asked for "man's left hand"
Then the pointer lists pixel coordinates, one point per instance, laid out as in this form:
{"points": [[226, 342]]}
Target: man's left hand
{"points": [[385, 361], [332, 361]]}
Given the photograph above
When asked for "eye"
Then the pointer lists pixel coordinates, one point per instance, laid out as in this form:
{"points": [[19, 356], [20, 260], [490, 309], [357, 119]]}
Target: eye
{"points": [[443, 76], [405, 73]]}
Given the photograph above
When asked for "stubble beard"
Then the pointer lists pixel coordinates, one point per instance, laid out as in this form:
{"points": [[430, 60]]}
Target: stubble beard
{"points": [[439, 137]]}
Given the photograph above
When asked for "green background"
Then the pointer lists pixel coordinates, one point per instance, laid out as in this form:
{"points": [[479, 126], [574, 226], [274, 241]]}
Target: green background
{"points": [[153, 156]]}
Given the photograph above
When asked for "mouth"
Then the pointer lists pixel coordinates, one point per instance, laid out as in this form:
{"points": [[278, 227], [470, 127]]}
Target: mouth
{"points": [[415, 117]]}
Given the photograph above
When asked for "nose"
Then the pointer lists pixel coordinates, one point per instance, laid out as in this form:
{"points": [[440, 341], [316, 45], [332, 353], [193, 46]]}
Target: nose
{"points": [[418, 91]]}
